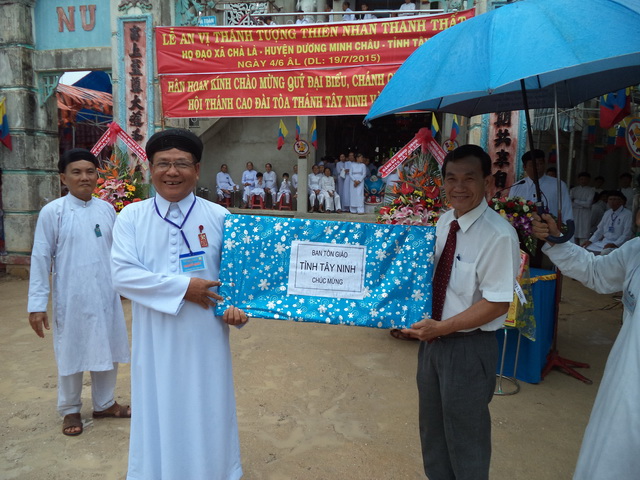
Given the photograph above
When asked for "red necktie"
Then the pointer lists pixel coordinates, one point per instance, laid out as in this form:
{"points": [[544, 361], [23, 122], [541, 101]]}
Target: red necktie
{"points": [[443, 272]]}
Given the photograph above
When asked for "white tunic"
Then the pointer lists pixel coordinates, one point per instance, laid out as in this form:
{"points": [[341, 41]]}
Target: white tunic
{"points": [[184, 422], [611, 445], [582, 199], [327, 186], [270, 180], [615, 227], [345, 194], [224, 181], [89, 331], [549, 188], [356, 193]]}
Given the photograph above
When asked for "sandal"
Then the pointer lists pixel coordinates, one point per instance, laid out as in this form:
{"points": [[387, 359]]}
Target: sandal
{"points": [[70, 421], [397, 333], [114, 411]]}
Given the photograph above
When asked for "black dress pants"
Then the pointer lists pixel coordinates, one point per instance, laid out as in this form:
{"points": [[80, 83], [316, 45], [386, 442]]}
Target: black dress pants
{"points": [[456, 380]]}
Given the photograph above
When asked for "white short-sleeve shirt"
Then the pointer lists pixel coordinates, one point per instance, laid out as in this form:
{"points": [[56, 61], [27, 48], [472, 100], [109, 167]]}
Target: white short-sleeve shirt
{"points": [[486, 261]]}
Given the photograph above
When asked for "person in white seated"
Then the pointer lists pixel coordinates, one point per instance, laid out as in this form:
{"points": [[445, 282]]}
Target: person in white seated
{"points": [[285, 189], [367, 16], [329, 199], [407, 6], [224, 183], [300, 19], [348, 13], [257, 189], [248, 181], [614, 229], [270, 183], [313, 187]]}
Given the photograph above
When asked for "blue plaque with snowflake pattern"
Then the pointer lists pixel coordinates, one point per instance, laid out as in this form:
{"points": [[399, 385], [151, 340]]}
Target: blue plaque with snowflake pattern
{"points": [[346, 273]]}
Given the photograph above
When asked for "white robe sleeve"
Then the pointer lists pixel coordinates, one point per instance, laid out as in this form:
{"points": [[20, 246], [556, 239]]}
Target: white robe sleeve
{"points": [[42, 254], [133, 280], [602, 273]]}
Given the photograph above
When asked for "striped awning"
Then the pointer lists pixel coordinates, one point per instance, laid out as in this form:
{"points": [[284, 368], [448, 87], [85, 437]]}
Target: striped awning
{"points": [[73, 99]]}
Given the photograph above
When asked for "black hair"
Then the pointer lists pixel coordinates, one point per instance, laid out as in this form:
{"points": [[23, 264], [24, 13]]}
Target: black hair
{"points": [[532, 155], [465, 151], [619, 194], [74, 155]]}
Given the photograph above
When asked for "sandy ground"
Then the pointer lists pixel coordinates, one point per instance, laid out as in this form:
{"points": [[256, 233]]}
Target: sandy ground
{"points": [[314, 402]]}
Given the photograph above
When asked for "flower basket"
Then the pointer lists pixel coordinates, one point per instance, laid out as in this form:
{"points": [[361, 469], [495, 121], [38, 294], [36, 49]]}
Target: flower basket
{"points": [[417, 197], [118, 183]]}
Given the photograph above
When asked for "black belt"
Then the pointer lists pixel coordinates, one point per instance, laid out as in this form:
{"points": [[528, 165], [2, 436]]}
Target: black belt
{"points": [[477, 331]]}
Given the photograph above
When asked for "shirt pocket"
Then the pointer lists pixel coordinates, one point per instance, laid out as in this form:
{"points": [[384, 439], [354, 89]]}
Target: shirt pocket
{"points": [[463, 278]]}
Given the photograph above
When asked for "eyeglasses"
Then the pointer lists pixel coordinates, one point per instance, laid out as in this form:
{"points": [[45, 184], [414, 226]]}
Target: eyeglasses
{"points": [[178, 165]]}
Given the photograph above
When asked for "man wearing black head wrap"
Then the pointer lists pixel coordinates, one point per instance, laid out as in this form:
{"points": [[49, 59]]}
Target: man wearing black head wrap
{"points": [[166, 259], [73, 240]]}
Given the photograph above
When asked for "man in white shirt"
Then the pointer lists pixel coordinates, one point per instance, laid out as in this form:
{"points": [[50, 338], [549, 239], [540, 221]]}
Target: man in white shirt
{"points": [[477, 259], [614, 229], [582, 200], [408, 5], [270, 183], [548, 186], [224, 183], [313, 186], [73, 241], [348, 13], [166, 260]]}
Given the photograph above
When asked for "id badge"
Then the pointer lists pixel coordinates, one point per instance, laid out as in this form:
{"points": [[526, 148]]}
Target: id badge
{"points": [[192, 262]]}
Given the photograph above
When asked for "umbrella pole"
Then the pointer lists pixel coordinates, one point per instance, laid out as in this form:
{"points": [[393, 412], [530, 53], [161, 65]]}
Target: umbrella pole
{"points": [[553, 358]]}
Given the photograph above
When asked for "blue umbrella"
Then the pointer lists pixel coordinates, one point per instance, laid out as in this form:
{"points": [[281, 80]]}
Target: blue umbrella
{"points": [[565, 50], [529, 54]]}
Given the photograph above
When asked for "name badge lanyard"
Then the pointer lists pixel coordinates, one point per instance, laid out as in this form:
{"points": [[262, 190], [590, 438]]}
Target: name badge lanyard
{"points": [[613, 220], [179, 227]]}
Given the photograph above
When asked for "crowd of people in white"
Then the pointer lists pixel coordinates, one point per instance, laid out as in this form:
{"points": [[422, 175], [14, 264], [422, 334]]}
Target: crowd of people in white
{"points": [[603, 218], [332, 186]]}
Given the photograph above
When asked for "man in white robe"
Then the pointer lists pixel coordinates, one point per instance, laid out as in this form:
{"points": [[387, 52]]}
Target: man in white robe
{"points": [[166, 259], [270, 183], [329, 199], [72, 241], [225, 184], [615, 228], [345, 195], [611, 441], [535, 159], [313, 187], [582, 200], [248, 181], [357, 175]]}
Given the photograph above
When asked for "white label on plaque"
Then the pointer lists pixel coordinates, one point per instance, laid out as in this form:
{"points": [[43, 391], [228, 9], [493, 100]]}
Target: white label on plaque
{"points": [[327, 270]]}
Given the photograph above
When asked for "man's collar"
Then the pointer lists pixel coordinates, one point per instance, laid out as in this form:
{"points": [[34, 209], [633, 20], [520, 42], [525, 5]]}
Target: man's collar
{"points": [[183, 205], [78, 201], [469, 218]]}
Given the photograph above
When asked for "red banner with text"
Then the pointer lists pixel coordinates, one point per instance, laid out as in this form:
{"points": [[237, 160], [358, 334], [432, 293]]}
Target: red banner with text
{"points": [[317, 69]]}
